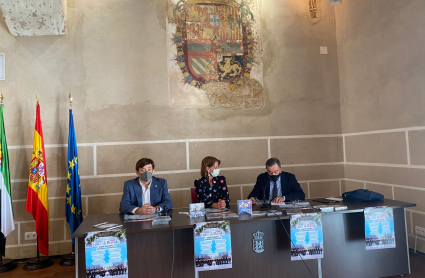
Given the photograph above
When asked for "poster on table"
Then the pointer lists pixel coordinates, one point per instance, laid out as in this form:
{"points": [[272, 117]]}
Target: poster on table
{"points": [[306, 236], [379, 228], [197, 210], [106, 254], [244, 206], [213, 247]]}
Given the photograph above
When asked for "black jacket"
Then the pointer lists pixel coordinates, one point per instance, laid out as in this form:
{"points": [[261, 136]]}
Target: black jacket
{"points": [[207, 194], [291, 189]]}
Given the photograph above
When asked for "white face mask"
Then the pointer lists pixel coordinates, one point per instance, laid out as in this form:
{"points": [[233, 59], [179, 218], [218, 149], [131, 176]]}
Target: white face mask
{"points": [[215, 173]]}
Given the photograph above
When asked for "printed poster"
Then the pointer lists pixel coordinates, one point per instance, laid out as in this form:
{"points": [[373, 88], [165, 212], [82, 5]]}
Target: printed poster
{"points": [[106, 254], [197, 210], [306, 236], [379, 228], [213, 247], [244, 206]]}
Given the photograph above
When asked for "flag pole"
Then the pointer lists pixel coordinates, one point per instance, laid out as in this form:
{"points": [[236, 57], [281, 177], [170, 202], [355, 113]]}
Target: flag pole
{"points": [[70, 101], [6, 264], [73, 246], [69, 259], [38, 262]]}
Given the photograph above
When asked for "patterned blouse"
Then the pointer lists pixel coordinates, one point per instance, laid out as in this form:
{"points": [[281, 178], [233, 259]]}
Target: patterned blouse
{"points": [[211, 194]]}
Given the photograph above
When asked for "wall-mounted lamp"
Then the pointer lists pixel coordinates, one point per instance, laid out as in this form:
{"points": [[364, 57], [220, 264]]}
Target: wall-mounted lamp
{"points": [[313, 7], [334, 2]]}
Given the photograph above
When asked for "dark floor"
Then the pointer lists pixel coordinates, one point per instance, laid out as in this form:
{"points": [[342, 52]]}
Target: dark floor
{"points": [[55, 271], [417, 265]]}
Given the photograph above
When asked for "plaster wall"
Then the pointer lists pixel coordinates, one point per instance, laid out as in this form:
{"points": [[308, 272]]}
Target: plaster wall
{"points": [[113, 60], [381, 64]]}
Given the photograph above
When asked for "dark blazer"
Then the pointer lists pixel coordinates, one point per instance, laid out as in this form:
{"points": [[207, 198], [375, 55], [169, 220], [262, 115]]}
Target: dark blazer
{"points": [[132, 195], [291, 189]]}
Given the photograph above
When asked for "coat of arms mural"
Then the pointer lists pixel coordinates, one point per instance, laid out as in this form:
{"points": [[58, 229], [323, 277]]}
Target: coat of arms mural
{"points": [[214, 53]]}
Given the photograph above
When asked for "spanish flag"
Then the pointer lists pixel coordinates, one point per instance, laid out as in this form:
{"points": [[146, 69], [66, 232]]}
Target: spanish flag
{"points": [[37, 197]]}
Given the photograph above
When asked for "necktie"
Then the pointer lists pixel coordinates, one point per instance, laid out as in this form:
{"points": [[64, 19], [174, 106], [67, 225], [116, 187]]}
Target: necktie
{"points": [[274, 191]]}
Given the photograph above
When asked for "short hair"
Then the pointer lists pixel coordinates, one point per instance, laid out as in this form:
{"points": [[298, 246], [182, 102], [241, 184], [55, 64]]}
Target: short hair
{"points": [[272, 161], [143, 162], [208, 161]]}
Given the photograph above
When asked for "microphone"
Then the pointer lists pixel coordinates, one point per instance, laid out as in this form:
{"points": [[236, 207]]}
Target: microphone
{"points": [[164, 211], [265, 204]]}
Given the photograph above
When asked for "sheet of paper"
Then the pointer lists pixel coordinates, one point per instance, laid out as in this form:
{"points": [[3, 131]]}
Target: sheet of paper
{"points": [[334, 199], [139, 216]]}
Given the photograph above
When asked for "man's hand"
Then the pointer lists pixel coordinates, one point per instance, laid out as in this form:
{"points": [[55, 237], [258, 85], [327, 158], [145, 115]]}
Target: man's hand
{"points": [[253, 199], [146, 209], [279, 200]]}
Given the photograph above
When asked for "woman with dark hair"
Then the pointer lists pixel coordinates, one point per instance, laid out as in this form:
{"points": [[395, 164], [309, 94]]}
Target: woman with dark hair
{"points": [[211, 189]]}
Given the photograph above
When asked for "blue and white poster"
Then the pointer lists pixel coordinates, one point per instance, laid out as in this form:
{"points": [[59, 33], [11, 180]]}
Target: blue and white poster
{"points": [[106, 254], [306, 236], [244, 206], [379, 228], [197, 210], [213, 246]]}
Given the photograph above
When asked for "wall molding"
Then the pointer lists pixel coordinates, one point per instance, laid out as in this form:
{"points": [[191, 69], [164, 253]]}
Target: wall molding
{"points": [[414, 128], [35, 244], [407, 147], [180, 141], [387, 184], [185, 171], [386, 165]]}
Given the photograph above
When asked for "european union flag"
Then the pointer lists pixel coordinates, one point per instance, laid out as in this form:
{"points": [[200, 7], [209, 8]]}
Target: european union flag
{"points": [[73, 209]]}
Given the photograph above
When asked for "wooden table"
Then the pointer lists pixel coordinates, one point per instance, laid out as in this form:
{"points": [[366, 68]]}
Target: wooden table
{"points": [[150, 249]]}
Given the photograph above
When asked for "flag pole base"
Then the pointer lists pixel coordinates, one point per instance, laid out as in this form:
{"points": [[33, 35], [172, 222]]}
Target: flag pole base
{"points": [[38, 263], [68, 260], [7, 265]]}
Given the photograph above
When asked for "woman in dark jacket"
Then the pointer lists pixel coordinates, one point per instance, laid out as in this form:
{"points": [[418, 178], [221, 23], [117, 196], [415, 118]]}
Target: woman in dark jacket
{"points": [[211, 189]]}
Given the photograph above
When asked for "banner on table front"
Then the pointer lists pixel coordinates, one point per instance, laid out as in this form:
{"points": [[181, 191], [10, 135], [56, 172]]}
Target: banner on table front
{"points": [[106, 254], [306, 236], [213, 247], [379, 228]]}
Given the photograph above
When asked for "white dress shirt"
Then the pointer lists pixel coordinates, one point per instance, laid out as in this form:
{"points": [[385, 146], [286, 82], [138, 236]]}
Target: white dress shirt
{"points": [[146, 195]]}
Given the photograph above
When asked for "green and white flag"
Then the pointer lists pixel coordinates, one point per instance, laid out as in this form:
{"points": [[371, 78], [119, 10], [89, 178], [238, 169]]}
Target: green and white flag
{"points": [[6, 211]]}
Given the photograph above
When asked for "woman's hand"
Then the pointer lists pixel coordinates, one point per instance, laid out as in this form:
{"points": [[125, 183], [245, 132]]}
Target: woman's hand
{"points": [[221, 204]]}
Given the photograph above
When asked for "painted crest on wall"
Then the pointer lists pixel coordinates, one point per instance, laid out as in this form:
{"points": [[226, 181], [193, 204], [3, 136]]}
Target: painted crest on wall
{"points": [[214, 50]]}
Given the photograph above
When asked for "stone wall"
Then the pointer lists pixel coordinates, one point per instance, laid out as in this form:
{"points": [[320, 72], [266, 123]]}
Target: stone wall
{"points": [[113, 60], [381, 65]]}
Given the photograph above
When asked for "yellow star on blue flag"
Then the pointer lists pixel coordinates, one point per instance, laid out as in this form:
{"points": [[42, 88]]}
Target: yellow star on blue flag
{"points": [[73, 205]]}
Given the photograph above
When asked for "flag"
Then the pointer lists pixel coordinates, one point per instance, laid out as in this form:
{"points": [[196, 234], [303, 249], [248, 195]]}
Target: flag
{"points": [[73, 206], [6, 210], [37, 196]]}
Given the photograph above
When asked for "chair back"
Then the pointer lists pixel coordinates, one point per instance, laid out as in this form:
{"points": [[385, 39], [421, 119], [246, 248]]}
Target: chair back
{"points": [[193, 194]]}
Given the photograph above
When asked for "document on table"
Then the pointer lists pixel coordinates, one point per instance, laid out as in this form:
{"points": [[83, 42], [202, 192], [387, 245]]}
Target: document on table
{"points": [[293, 205], [334, 199]]}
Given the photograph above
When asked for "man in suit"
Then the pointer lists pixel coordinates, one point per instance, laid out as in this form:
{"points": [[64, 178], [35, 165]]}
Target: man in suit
{"points": [[278, 186], [145, 194]]}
